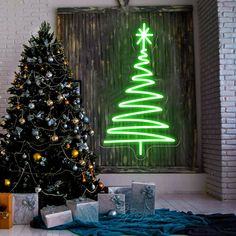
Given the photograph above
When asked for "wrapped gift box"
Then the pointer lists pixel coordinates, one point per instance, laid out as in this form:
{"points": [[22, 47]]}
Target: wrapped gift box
{"points": [[143, 198], [6, 210], [126, 190], [111, 202], [83, 209], [56, 215], [25, 207]]}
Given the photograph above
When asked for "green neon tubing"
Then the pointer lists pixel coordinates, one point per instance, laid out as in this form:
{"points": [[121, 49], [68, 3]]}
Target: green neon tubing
{"points": [[138, 132]]}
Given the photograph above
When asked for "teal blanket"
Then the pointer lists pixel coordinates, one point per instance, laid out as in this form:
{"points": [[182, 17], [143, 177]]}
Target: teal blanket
{"points": [[163, 223]]}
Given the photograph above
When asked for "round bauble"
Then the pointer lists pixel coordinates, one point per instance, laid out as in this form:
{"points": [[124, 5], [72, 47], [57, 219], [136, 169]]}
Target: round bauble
{"points": [[67, 146], [49, 74], [65, 126], [50, 59], [38, 189], [75, 153], [35, 132], [67, 102], [22, 120], [3, 152], [91, 167], [75, 121], [18, 106], [31, 105], [37, 156], [101, 185], [24, 156], [28, 82], [60, 97], [54, 138], [37, 137], [7, 182], [82, 162], [49, 102], [75, 168], [91, 132], [41, 92], [112, 213]]}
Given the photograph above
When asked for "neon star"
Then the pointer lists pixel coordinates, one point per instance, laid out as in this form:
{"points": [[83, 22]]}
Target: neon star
{"points": [[143, 36]]}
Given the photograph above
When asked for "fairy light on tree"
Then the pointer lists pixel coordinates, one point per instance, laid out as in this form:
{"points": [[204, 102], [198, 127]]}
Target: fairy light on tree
{"points": [[139, 126]]}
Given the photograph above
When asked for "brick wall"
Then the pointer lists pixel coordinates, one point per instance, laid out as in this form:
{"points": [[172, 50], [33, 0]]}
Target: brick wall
{"points": [[210, 95], [217, 35], [227, 39]]}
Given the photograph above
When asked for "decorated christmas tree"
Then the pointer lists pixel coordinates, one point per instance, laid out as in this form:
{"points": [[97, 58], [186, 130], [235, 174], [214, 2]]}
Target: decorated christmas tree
{"points": [[138, 124], [44, 146]]}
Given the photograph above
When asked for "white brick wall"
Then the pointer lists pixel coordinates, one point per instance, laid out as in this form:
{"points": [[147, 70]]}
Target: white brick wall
{"points": [[227, 39]]}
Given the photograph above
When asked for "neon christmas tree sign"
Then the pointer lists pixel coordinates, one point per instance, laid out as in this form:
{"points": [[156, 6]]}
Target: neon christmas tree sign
{"points": [[137, 125]]}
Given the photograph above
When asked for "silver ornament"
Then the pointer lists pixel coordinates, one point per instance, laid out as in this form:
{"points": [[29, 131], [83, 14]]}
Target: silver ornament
{"points": [[8, 135], [81, 116], [28, 81], [77, 91], [75, 131], [77, 127], [78, 136], [49, 74], [65, 126], [37, 137], [35, 132], [7, 116], [91, 132], [60, 97], [78, 100], [37, 82], [93, 186], [75, 167], [50, 59], [40, 60], [24, 156], [31, 105], [86, 119], [30, 117], [38, 189], [40, 91], [112, 213]]}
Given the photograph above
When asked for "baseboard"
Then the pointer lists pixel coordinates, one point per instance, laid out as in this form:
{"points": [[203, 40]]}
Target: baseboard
{"points": [[165, 183]]}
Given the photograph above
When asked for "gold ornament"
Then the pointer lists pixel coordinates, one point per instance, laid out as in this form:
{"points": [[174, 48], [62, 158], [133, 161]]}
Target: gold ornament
{"points": [[58, 51], [82, 162], [101, 185], [65, 62], [69, 84], [22, 120], [67, 102], [37, 156], [18, 106], [60, 97], [83, 177], [3, 152], [7, 182], [75, 121], [21, 86], [3, 122], [54, 138], [25, 76], [91, 167], [67, 146], [75, 153], [49, 102], [25, 67]]}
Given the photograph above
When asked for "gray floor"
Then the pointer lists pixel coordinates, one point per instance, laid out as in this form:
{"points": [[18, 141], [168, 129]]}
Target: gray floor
{"points": [[196, 203]]}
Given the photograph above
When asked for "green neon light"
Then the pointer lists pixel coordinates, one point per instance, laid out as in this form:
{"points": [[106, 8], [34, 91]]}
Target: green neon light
{"points": [[134, 126]]}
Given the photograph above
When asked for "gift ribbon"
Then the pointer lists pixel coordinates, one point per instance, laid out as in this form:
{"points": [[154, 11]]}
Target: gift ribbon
{"points": [[148, 193], [29, 203], [117, 201]]}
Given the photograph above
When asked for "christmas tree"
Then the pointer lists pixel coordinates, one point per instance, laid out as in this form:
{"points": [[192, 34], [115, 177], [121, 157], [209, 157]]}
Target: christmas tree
{"points": [[138, 124], [44, 148]]}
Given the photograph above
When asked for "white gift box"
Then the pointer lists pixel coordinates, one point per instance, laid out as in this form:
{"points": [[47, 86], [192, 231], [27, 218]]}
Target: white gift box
{"points": [[143, 198], [83, 209], [25, 207], [126, 190], [111, 202], [56, 215]]}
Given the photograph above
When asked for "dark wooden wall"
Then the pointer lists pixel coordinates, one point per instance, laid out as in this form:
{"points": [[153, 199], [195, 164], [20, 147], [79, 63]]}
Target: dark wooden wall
{"points": [[100, 46]]}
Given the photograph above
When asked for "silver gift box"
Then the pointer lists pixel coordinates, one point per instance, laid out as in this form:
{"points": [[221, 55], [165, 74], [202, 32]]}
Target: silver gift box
{"points": [[56, 215], [25, 207], [83, 209], [143, 198], [111, 202], [126, 190]]}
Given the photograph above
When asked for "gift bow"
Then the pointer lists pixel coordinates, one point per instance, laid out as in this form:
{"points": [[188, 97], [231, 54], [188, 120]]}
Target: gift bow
{"points": [[148, 192], [29, 203], [117, 201]]}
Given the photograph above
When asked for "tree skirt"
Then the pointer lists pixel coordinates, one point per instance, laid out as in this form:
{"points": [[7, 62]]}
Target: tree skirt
{"points": [[163, 223]]}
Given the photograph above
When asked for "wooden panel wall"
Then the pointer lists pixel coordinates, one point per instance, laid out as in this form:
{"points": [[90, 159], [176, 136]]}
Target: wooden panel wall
{"points": [[100, 46]]}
